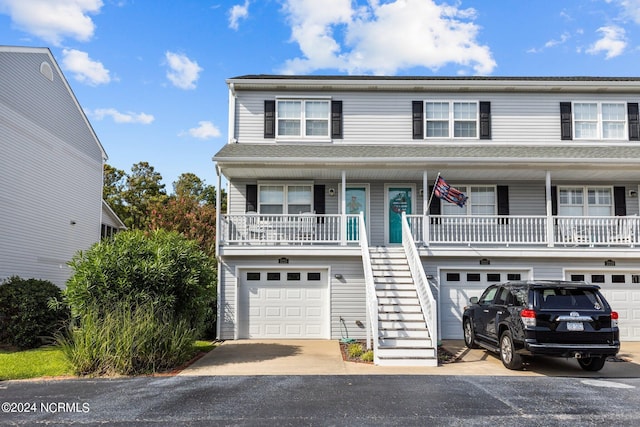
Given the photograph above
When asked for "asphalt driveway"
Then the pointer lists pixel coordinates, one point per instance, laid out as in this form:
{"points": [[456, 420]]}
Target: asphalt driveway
{"points": [[323, 357]]}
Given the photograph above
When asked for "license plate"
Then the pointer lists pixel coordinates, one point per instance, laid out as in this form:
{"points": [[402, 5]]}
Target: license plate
{"points": [[575, 326]]}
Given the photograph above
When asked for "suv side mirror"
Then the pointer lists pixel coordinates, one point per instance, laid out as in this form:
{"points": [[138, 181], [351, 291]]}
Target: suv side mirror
{"points": [[473, 300]]}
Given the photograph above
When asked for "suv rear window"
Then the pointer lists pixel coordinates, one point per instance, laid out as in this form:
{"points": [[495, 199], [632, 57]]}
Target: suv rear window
{"points": [[569, 299]]}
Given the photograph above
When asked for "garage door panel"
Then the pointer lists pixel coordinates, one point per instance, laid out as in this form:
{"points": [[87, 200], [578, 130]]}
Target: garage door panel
{"points": [[283, 308], [623, 297], [456, 290]]}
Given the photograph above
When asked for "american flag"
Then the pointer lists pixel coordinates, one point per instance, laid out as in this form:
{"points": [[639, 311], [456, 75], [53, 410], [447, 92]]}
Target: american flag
{"points": [[444, 191]]}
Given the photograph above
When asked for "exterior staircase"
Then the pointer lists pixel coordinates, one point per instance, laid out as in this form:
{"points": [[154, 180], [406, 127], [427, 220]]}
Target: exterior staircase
{"points": [[403, 337]]}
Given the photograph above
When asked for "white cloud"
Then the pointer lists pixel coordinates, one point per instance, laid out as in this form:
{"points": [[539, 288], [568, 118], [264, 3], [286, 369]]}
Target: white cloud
{"points": [[84, 69], [630, 9], [53, 20], [238, 12], [183, 72], [205, 130], [612, 42], [382, 37], [118, 117]]}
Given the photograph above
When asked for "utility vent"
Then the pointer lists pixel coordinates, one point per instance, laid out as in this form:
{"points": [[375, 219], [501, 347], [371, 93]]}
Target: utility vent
{"points": [[45, 69]]}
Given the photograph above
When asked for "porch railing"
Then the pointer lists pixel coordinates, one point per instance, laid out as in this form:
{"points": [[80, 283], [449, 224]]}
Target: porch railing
{"points": [[425, 296], [525, 230], [437, 230], [300, 228], [372, 298]]}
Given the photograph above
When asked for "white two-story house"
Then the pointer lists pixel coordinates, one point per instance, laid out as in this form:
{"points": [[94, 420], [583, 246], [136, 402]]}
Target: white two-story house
{"points": [[332, 230], [51, 163]]}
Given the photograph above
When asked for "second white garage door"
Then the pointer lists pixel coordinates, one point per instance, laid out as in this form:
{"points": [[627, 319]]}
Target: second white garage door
{"points": [[290, 304], [456, 287]]}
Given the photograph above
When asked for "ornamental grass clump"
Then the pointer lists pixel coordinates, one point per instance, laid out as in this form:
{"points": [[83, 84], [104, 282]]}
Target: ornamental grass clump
{"points": [[139, 301]]}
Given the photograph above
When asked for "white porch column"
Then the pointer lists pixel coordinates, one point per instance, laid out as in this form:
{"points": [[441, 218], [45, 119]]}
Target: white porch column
{"points": [[425, 209], [550, 238], [343, 209], [219, 314]]}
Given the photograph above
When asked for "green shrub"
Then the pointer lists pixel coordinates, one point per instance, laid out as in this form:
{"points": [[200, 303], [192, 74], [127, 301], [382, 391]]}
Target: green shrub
{"points": [[27, 320], [136, 268], [127, 340], [367, 356], [355, 350]]}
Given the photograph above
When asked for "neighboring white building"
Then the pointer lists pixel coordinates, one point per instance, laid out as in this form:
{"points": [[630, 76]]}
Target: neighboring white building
{"points": [[551, 167], [51, 164]]}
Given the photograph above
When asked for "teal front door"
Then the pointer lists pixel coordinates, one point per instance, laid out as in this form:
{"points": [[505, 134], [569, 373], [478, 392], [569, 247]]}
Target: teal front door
{"points": [[399, 201]]}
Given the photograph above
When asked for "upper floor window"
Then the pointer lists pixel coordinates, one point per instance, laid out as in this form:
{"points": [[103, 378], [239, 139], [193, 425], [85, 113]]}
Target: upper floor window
{"points": [[600, 120], [303, 118], [451, 119], [482, 200], [285, 198], [585, 201]]}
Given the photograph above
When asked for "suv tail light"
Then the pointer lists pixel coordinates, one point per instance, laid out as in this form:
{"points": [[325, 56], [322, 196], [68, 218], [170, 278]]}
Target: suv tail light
{"points": [[528, 317], [614, 319]]}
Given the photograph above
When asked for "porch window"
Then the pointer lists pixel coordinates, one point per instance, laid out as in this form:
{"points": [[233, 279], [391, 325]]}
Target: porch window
{"points": [[276, 199], [303, 118], [572, 201], [481, 200], [446, 119], [599, 120]]}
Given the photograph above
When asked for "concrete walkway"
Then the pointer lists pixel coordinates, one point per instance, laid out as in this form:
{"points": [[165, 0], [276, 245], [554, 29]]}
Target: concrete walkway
{"points": [[323, 357]]}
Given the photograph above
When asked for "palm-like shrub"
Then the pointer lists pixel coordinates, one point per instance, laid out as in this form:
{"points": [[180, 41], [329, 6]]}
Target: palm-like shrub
{"points": [[139, 301]]}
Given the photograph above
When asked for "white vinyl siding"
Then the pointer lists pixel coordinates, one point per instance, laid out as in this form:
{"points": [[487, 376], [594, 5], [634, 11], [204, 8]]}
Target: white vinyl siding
{"points": [[50, 203], [385, 117]]}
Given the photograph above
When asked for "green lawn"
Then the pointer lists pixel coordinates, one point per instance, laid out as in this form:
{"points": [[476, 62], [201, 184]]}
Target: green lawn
{"points": [[40, 362], [50, 362]]}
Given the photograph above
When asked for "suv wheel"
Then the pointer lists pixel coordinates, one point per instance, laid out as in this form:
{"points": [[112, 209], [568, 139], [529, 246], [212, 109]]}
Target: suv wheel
{"points": [[469, 334], [510, 359], [592, 363]]}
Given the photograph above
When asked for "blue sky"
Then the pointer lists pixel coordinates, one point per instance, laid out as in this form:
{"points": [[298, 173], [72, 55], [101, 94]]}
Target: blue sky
{"points": [[150, 74]]}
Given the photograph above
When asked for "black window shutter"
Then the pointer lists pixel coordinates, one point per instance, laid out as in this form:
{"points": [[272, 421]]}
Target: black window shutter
{"points": [[634, 121], [418, 119], [565, 121], [269, 118], [485, 120], [318, 199], [620, 201], [503, 199], [435, 206], [554, 200], [336, 119], [251, 198]]}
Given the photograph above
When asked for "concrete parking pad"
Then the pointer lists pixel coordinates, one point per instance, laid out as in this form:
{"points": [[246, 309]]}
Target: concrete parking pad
{"points": [[323, 357]]}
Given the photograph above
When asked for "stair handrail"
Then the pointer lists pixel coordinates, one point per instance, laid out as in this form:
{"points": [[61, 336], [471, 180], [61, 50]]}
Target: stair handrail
{"points": [[425, 296], [372, 298]]}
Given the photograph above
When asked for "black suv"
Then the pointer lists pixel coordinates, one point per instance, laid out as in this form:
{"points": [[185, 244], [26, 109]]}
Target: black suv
{"points": [[551, 318]]}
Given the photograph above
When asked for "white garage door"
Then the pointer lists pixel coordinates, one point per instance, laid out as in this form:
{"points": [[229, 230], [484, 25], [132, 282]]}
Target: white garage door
{"points": [[457, 287], [283, 304], [622, 290]]}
